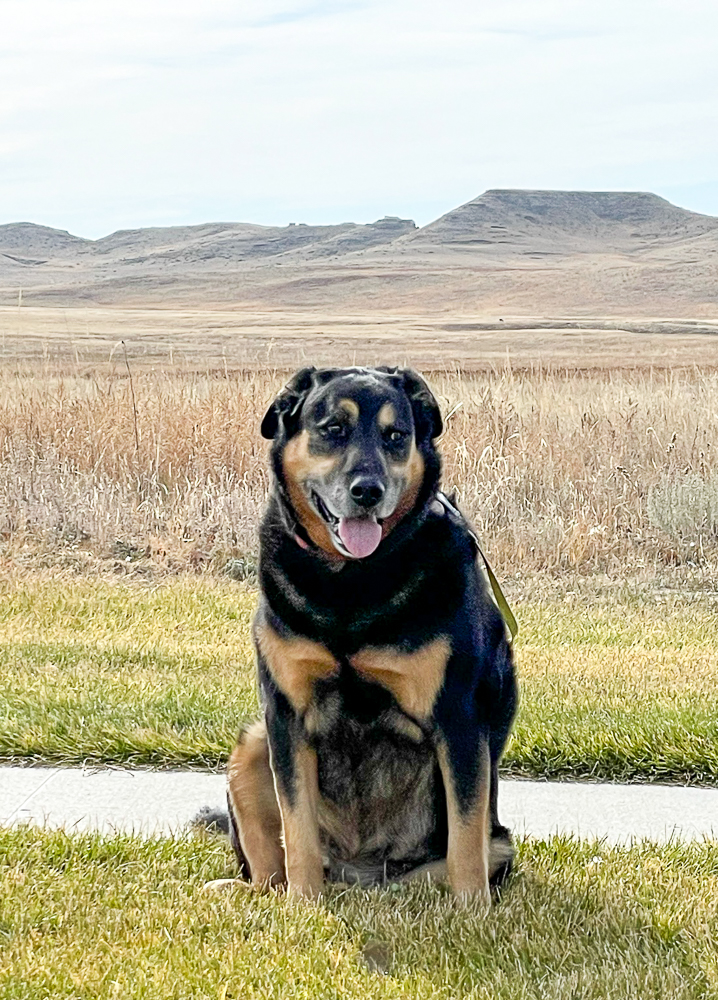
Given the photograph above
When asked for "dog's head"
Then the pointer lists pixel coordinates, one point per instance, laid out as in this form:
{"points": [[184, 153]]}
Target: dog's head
{"points": [[353, 449]]}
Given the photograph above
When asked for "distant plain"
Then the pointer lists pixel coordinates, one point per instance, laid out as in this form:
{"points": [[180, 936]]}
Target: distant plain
{"points": [[86, 339]]}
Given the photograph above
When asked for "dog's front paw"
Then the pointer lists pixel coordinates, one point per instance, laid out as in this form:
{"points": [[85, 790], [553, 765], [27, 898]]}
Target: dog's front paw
{"points": [[308, 890], [223, 884]]}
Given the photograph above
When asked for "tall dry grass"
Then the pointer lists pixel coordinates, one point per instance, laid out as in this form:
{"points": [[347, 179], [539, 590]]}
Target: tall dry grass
{"points": [[560, 470]]}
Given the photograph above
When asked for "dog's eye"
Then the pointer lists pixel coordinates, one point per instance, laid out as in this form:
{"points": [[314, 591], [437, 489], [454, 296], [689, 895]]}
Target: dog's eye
{"points": [[394, 436], [334, 432]]}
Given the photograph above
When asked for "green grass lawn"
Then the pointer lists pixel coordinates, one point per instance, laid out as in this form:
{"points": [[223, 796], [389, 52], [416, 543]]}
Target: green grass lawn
{"points": [[90, 917], [92, 670]]}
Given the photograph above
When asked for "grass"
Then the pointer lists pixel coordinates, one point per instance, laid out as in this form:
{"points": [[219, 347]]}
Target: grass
{"points": [[93, 671], [621, 692], [561, 470], [98, 671], [90, 917]]}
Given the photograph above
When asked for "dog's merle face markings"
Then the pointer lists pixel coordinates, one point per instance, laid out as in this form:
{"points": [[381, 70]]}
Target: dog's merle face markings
{"points": [[352, 464]]}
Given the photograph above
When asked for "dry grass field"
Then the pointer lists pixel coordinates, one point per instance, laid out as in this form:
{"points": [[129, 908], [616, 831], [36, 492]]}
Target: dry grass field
{"points": [[562, 469]]}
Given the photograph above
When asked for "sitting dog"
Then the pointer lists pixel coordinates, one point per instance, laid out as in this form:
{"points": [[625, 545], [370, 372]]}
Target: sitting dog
{"points": [[385, 671]]}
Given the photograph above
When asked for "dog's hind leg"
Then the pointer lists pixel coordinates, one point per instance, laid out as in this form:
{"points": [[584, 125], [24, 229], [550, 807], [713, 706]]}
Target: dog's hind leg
{"points": [[432, 871], [501, 855], [255, 819], [501, 850]]}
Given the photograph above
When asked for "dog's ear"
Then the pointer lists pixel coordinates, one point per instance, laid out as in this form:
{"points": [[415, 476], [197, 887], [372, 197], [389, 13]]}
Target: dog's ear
{"points": [[427, 415], [287, 406]]}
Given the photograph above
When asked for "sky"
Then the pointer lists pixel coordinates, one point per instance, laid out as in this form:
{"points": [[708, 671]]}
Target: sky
{"points": [[126, 113]]}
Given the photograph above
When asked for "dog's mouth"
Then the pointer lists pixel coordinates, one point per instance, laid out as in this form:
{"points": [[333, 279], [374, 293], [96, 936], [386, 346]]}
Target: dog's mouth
{"points": [[356, 537]]}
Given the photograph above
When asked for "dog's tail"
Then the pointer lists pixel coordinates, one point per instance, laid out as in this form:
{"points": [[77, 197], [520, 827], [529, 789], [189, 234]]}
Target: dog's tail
{"points": [[212, 820]]}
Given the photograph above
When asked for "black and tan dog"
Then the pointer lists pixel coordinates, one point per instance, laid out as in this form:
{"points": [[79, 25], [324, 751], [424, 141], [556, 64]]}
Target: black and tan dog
{"points": [[386, 676]]}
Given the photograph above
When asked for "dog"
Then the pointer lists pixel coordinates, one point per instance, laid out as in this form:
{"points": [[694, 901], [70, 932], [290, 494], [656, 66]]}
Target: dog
{"points": [[385, 669]]}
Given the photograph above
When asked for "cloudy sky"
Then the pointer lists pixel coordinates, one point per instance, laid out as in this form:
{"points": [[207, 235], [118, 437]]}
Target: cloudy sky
{"points": [[125, 113]]}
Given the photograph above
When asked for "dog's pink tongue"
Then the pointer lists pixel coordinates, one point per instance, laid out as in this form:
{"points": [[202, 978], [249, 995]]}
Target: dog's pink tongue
{"points": [[360, 535]]}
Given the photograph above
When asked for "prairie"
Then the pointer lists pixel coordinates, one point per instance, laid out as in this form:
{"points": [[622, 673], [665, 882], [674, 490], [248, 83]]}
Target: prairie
{"points": [[562, 470], [88, 339], [129, 501], [130, 491]]}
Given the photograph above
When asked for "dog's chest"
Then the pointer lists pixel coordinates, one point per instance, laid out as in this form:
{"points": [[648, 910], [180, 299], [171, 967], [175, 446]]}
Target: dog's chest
{"points": [[306, 672], [368, 715], [376, 772]]}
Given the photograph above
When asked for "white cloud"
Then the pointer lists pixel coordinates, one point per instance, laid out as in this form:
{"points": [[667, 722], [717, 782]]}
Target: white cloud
{"points": [[134, 113]]}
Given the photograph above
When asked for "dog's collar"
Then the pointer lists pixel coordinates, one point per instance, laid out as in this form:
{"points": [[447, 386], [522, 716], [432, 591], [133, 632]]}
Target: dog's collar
{"points": [[301, 543], [293, 528]]}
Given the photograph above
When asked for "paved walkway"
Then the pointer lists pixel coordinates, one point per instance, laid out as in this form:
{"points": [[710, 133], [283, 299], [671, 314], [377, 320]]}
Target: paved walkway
{"points": [[110, 799]]}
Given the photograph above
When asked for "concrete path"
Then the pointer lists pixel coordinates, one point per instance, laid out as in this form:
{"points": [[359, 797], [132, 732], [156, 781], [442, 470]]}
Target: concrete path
{"points": [[110, 799]]}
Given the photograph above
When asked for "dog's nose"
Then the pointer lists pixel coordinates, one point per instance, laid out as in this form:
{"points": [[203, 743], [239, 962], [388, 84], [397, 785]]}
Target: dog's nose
{"points": [[367, 491]]}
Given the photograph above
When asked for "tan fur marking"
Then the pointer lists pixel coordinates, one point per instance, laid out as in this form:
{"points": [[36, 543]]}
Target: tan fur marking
{"points": [[467, 857], [295, 664], [300, 826], [386, 416], [299, 465], [413, 469], [298, 460], [405, 727], [432, 871], [413, 678], [255, 807], [351, 407]]}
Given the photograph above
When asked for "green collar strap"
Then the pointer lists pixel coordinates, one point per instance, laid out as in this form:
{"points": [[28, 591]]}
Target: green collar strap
{"points": [[501, 603]]}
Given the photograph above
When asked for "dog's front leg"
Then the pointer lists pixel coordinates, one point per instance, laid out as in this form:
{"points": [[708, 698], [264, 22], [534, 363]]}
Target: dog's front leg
{"points": [[289, 667], [300, 828], [294, 766], [465, 766]]}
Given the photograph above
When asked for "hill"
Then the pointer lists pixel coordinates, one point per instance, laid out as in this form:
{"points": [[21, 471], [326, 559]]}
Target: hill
{"points": [[507, 251], [557, 222]]}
